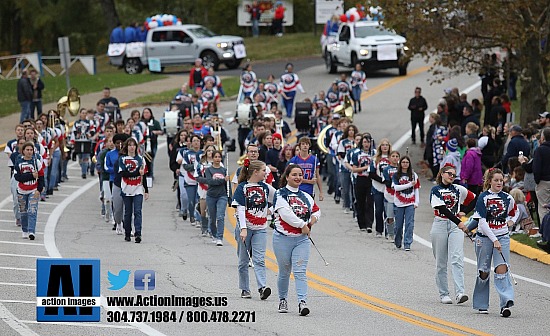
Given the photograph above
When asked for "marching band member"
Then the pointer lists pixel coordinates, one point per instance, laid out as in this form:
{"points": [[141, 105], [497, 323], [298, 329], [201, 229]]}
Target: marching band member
{"points": [[29, 174], [13, 146], [197, 74], [206, 161], [101, 118], [115, 180], [346, 144], [381, 161], [295, 214], [215, 79], [248, 80], [131, 167], [252, 154], [358, 83], [333, 96], [252, 198], [406, 183], [187, 158], [310, 165], [271, 91], [82, 131], [389, 193], [287, 86], [344, 87], [496, 211], [210, 94]]}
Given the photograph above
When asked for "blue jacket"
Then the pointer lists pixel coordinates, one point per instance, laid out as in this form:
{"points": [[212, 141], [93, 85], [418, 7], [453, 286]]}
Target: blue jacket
{"points": [[541, 162], [117, 35], [110, 159]]}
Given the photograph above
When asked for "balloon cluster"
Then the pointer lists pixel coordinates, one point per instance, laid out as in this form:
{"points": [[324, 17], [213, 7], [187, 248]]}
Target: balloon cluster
{"points": [[353, 14], [160, 20]]}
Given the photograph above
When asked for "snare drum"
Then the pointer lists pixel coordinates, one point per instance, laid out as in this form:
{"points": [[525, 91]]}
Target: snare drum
{"points": [[83, 147], [243, 114], [171, 122]]}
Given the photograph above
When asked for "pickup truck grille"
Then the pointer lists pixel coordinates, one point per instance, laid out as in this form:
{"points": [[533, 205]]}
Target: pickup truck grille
{"points": [[238, 42]]}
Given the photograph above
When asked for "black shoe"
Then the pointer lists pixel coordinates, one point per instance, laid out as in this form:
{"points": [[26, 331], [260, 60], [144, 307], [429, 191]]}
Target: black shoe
{"points": [[505, 312], [31, 236], [83, 176], [114, 227], [246, 294], [414, 142], [127, 238], [184, 216], [283, 306], [330, 191], [369, 230], [265, 293], [324, 178], [303, 309], [337, 199], [544, 246], [137, 239]]}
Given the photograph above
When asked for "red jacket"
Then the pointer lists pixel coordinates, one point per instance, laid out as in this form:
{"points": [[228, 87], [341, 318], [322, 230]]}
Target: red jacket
{"points": [[279, 13], [204, 72]]}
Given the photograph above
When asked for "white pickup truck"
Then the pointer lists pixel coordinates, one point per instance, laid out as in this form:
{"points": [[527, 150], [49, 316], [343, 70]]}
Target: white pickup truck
{"points": [[368, 43], [178, 45]]}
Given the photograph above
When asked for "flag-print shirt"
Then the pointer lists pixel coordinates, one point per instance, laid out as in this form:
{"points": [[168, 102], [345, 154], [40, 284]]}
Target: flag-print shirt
{"points": [[252, 201], [388, 173], [406, 193], [248, 81], [333, 98], [343, 89], [101, 120], [344, 146], [188, 158], [82, 130], [452, 196], [494, 210], [200, 172], [24, 169], [132, 184], [382, 164], [271, 92], [361, 159], [358, 78], [290, 82], [293, 209]]}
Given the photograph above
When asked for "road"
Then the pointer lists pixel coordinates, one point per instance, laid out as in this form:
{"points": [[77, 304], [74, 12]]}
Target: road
{"points": [[369, 287]]}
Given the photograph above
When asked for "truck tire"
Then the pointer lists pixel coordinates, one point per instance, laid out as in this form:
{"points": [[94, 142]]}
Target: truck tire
{"points": [[132, 66], [234, 64], [331, 67], [210, 59], [403, 70], [353, 60]]}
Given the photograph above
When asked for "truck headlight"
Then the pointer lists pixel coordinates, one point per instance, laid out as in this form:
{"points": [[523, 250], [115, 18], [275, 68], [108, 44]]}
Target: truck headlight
{"points": [[363, 52], [406, 48], [223, 45]]}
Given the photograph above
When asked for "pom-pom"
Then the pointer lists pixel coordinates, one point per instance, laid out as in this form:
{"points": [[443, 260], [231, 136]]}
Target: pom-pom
{"points": [[246, 163]]}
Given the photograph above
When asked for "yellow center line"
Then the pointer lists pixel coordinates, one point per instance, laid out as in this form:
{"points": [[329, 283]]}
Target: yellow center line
{"points": [[361, 299]]}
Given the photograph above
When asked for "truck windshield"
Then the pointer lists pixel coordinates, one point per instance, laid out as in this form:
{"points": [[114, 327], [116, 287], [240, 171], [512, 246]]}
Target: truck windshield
{"points": [[364, 31], [201, 32]]}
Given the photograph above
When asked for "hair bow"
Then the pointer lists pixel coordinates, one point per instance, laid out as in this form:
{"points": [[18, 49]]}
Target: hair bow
{"points": [[246, 163], [448, 164]]}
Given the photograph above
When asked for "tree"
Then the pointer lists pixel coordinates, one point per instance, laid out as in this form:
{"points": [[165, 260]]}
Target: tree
{"points": [[456, 34], [110, 14]]}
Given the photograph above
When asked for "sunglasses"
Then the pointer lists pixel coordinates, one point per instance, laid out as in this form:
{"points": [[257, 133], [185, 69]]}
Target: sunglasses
{"points": [[450, 174]]}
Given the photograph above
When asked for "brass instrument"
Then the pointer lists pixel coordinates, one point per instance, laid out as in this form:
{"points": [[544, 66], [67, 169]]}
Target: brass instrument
{"points": [[348, 108], [240, 161], [69, 102], [321, 139], [217, 134]]}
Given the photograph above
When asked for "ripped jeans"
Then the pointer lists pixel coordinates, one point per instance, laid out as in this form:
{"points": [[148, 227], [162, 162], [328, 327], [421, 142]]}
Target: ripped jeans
{"points": [[28, 208], [292, 254], [503, 284]]}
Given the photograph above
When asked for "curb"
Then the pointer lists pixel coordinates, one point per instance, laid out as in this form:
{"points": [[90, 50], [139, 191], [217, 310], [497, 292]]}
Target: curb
{"points": [[122, 106], [529, 252]]}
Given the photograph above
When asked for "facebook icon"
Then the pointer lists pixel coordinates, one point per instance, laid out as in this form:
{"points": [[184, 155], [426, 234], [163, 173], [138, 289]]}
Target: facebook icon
{"points": [[144, 280]]}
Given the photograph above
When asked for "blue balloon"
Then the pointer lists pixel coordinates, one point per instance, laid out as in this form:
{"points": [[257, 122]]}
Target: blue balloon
{"points": [[148, 19], [160, 23]]}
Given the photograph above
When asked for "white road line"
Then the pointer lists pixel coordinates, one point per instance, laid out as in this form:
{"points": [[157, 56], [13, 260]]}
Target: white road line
{"points": [[53, 251], [18, 326], [5, 201], [21, 255], [19, 231], [402, 140], [18, 269], [16, 284], [80, 324], [71, 186], [20, 243], [39, 212], [48, 203], [18, 301]]}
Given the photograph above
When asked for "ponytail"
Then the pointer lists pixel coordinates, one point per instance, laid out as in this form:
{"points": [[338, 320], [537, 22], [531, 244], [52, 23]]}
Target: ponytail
{"points": [[249, 167]]}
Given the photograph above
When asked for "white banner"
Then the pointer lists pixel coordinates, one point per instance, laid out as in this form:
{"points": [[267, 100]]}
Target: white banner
{"points": [[268, 11], [386, 52], [325, 9]]}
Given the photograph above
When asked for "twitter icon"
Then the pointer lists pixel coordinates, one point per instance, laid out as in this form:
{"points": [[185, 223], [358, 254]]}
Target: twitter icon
{"points": [[118, 281]]}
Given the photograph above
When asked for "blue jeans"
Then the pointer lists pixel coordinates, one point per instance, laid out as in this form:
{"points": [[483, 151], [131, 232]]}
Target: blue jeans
{"points": [[292, 255], [255, 28], [289, 103], [192, 196], [216, 212], [28, 207], [255, 242], [345, 182], [503, 284], [54, 166], [25, 111], [331, 171], [356, 96], [406, 215], [448, 245], [379, 210], [84, 160], [15, 198], [63, 169], [132, 205]]}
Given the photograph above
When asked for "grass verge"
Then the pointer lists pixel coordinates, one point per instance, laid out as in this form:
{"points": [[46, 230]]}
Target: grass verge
{"points": [[230, 87], [285, 47], [526, 240]]}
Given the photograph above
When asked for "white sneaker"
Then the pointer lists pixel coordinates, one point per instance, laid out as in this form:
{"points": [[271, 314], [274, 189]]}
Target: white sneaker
{"points": [[25, 235], [446, 300], [219, 242], [461, 298], [346, 211], [119, 229]]}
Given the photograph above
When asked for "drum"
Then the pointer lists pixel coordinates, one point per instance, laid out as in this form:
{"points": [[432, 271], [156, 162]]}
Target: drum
{"points": [[243, 114], [83, 147], [302, 117], [171, 123]]}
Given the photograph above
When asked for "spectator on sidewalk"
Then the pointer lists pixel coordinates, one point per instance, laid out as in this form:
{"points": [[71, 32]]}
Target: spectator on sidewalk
{"points": [[544, 119], [516, 145], [255, 13], [541, 171], [468, 116], [111, 102], [417, 106], [278, 17], [37, 87], [24, 96]]}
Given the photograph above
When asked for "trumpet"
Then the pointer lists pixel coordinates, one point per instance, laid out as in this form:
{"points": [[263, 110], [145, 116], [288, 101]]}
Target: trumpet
{"points": [[217, 134]]}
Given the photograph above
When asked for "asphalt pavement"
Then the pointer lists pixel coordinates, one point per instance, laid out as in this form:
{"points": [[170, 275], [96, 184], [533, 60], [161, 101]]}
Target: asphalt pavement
{"points": [[368, 288]]}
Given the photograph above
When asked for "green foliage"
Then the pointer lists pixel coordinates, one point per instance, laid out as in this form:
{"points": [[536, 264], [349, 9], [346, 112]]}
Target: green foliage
{"points": [[55, 87]]}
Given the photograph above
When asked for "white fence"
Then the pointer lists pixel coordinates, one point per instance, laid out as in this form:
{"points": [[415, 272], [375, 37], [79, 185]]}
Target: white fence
{"points": [[25, 61]]}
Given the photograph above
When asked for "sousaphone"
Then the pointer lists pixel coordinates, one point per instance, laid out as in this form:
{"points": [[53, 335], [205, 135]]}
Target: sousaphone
{"points": [[69, 102]]}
